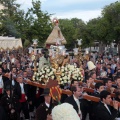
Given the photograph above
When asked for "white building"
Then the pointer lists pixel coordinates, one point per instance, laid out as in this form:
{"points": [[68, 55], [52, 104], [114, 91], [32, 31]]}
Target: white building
{"points": [[106, 48]]}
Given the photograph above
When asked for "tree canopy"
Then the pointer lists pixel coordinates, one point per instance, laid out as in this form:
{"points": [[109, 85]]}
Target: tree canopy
{"points": [[36, 24], [33, 24]]}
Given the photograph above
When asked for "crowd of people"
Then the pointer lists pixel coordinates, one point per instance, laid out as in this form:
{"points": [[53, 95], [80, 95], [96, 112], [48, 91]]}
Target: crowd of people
{"points": [[19, 100]]}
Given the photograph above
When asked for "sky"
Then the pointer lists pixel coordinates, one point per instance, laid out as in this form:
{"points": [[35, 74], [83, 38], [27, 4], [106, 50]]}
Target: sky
{"points": [[82, 9]]}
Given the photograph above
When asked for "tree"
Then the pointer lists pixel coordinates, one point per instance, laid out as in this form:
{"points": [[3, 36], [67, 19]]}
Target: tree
{"points": [[112, 14], [8, 18], [34, 24], [41, 24], [72, 30], [89, 33]]}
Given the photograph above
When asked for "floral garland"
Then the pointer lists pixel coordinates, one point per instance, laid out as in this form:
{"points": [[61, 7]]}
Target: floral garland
{"points": [[64, 111]]}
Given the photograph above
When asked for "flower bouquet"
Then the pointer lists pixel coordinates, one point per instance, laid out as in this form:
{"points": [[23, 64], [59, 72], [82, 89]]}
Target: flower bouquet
{"points": [[66, 74], [43, 75], [70, 72]]}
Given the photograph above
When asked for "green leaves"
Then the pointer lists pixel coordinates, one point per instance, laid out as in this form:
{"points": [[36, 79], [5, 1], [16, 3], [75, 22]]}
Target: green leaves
{"points": [[34, 24], [112, 14], [72, 30]]}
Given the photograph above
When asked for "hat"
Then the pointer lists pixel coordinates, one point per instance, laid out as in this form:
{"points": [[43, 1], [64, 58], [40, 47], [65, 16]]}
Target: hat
{"points": [[46, 92], [91, 65], [8, 87]]}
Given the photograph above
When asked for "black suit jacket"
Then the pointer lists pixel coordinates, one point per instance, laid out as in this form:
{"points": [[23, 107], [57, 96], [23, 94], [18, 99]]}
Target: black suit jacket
{"points": [[94, 104], [2, 114], [71, 101], [103, 114], [6, 81], [6, 101], [42, 112], [17, 91]]}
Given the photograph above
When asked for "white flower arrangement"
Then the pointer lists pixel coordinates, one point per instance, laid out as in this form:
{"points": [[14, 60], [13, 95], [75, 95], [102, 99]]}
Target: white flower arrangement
{"points": [[64, 111], [44, 74], [68, 73]]}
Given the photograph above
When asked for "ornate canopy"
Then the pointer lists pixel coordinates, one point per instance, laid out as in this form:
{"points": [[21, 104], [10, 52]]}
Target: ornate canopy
{"points": [[10, 43]]}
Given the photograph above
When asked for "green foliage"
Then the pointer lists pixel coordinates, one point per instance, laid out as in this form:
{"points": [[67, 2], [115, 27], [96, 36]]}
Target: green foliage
{"points": [[112, 14], [34, 24], [104, 29], [8, 18], [41, 24], [72, 30]]}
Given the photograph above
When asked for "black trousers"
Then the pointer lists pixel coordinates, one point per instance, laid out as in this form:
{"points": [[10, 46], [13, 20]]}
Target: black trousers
{"points": [[24, 108], [1, 96]]}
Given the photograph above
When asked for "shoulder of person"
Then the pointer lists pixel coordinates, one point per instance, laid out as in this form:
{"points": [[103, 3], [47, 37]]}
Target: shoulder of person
{"points": [[69, 98]]}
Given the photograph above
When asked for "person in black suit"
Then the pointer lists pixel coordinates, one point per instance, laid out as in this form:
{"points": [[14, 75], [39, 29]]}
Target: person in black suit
{"points": [[4, 68], [22, 90], [117, 97], [104, 111], [44, 108], [2, 114], [74, 99], [99, 88], [10, 103], [3, 83], [86, 106]]}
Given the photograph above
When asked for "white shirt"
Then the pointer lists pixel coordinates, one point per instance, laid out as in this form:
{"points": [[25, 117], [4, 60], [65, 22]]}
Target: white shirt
{"points": [[12, 60], [48, 105], [78, 103], [13, 82], [1, 82], [22, 88], [107, 108], [113, 66]]}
